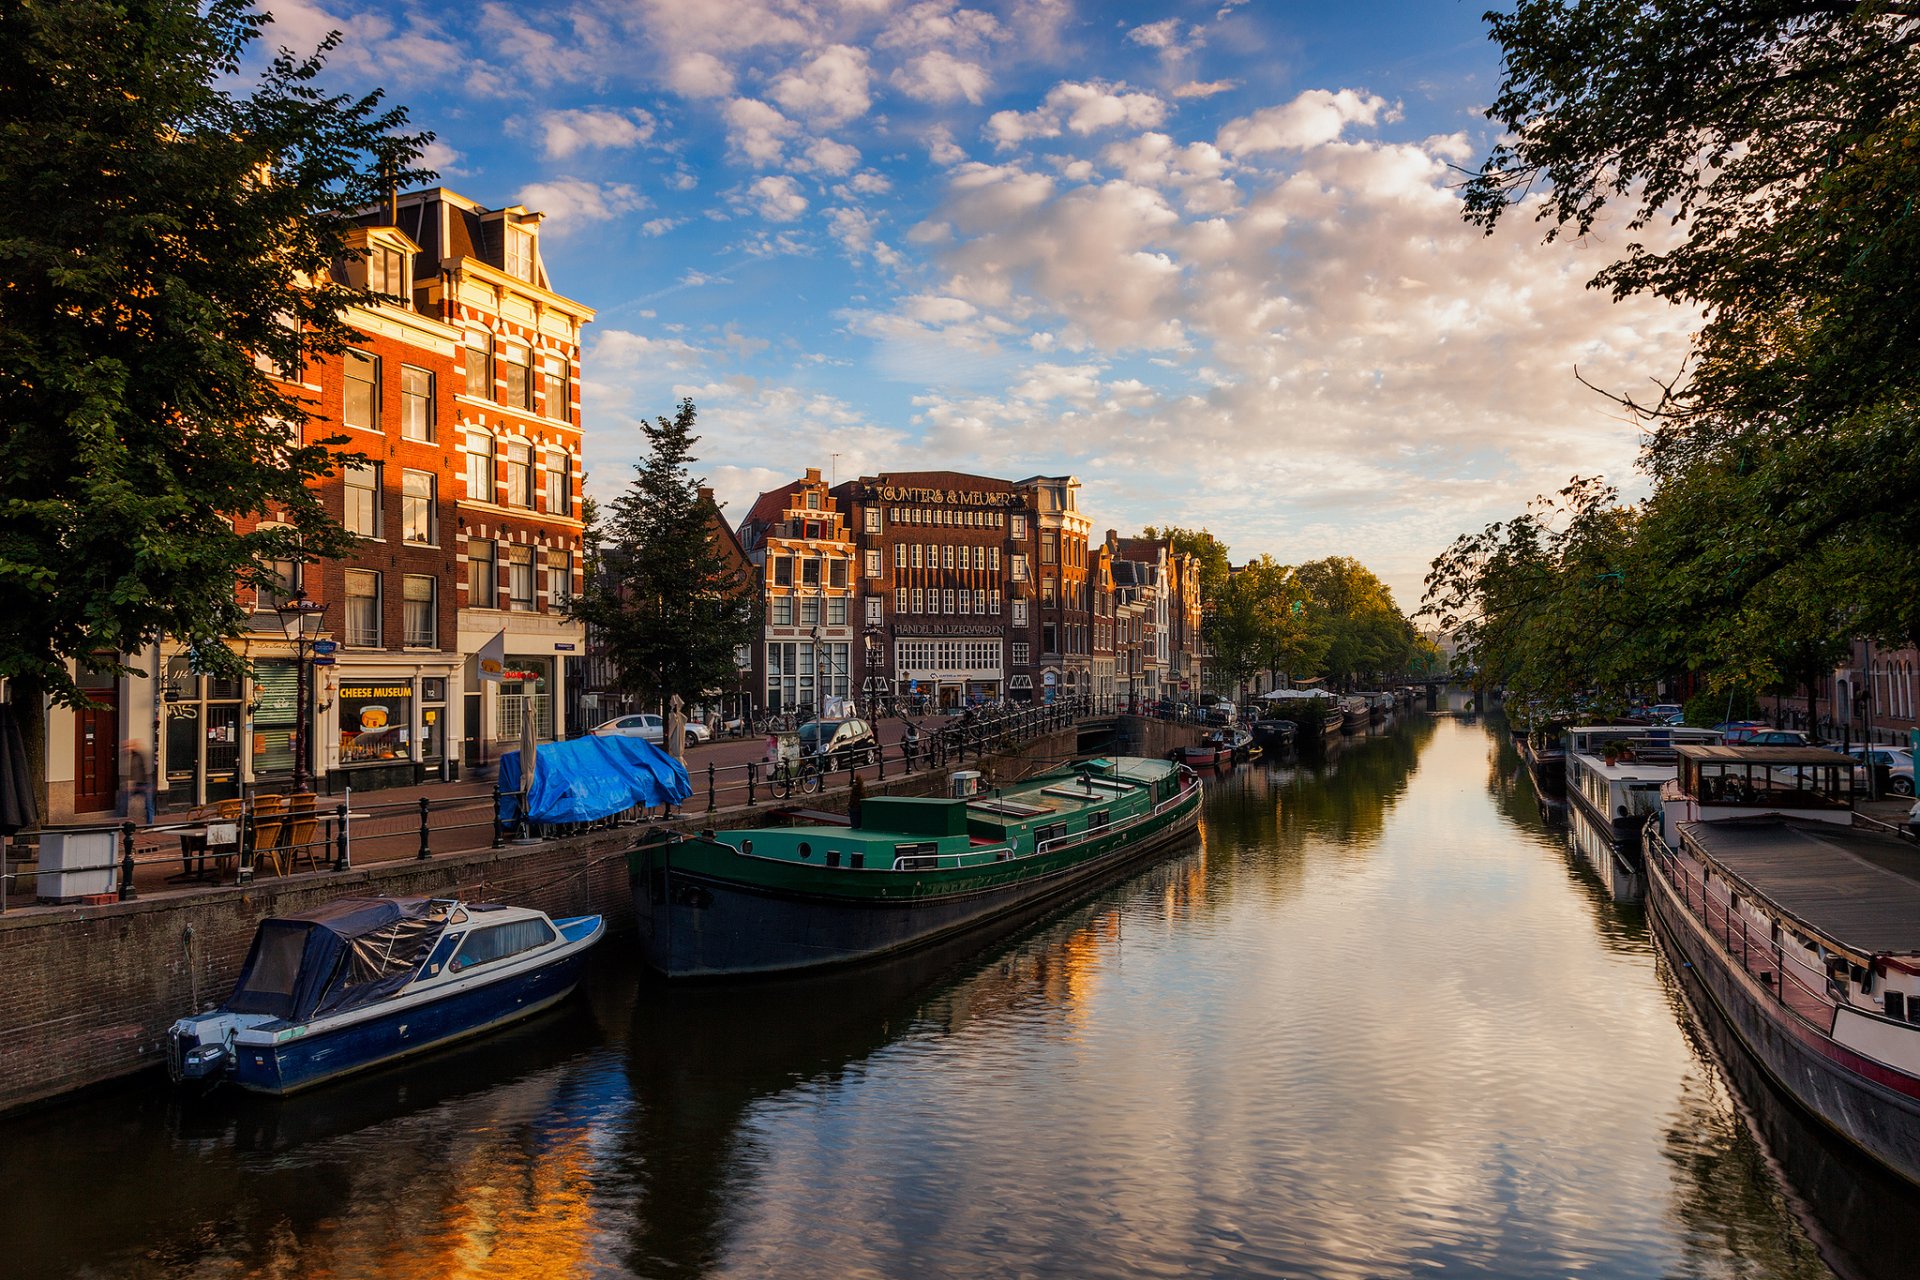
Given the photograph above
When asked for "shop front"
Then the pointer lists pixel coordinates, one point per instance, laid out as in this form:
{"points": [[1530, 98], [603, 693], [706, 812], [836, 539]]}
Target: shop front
{"points": [[390, 731]]}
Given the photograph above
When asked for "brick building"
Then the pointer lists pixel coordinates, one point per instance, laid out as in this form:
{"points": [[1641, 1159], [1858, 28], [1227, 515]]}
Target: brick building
{"points": [[1065, 618], [460, 396], [799, 541]]}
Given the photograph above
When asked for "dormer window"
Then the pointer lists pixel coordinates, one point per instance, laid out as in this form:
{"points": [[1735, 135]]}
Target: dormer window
{"points": [[519, 253], [387, 271]]}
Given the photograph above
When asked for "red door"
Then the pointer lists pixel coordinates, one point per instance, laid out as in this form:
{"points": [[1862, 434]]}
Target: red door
{"points": [[96, 754]]}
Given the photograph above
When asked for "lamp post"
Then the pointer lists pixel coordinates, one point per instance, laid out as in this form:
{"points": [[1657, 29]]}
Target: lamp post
{"points": [[301, 620]]}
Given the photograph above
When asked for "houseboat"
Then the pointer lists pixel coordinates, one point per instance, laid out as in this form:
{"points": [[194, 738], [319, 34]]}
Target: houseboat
{"points": [[1274, 736], [361, 982], [1355, 712], [909, 872], [1614, 773], [1801, 930]]}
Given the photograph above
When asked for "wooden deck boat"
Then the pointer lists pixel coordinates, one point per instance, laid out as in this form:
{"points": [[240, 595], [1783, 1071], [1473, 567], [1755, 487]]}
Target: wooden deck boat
{"points": [[910, 872], [360, 982], [1802, 930]]}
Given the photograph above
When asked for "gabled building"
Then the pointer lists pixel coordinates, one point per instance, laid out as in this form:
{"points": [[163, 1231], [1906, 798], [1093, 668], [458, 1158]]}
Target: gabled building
{"points": [[1065, 620], [799, 541]]}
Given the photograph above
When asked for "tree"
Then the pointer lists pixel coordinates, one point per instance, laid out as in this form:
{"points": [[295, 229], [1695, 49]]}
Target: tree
{"points": [[174, 242], [1779, 137], [664, 602], [1364, 631]]}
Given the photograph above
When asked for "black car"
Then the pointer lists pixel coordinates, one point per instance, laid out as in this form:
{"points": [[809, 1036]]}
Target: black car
{"points": [[838, 741]]}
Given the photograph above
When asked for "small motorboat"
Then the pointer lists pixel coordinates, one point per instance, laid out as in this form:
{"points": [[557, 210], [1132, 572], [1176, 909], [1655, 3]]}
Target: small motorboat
{"points": [[1202, 756], [360, 982], [1274, 735]]}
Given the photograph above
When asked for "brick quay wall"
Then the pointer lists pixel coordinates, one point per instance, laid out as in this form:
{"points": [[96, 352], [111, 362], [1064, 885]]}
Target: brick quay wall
{"points": [[91, 990]]}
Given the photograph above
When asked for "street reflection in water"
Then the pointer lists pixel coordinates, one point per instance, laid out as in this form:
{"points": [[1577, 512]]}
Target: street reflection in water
{"points": [[1375, 1021]]}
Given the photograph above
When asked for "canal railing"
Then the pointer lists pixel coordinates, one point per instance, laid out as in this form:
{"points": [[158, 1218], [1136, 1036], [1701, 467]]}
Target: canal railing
{"points": [[243, 840]]}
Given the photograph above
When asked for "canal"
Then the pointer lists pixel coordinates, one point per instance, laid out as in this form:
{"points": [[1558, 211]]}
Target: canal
{"points": [[1375, 1023]]}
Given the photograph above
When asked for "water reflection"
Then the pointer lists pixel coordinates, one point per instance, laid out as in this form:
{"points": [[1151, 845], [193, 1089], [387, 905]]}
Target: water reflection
{"points": [[1379, 1023]]}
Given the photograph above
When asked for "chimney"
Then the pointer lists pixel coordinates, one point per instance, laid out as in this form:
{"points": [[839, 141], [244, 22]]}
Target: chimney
{"points": [[706, 494], [813, 475]]}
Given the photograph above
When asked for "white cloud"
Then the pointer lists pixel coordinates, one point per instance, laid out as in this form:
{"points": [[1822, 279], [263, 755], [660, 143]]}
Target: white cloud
{"points": [[1080, 108], [830, 156], [700, 75], [1204, 88], [938, 76], [941, 24], [941, 148], [562, 133], [660, 226], [575, 200], [757, 131], [830, 89], [1156, 35], [442, 159], [777, 199], [1315, 117]]}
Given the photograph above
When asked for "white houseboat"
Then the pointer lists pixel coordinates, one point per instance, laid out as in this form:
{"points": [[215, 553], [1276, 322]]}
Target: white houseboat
{"points": [[1614, 776]]}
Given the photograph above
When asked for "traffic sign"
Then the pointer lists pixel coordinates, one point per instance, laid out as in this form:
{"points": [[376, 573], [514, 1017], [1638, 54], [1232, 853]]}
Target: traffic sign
{"points": [[325, 646]]}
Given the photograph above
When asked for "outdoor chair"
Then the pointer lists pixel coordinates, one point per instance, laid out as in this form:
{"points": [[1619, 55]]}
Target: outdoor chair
{"points": [[269, 824], [302, 823]]}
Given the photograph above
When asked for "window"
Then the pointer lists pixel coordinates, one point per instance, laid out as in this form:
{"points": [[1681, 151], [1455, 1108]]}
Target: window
{"points": [[483, 585], [813, 499], [1019, 568], [966, 601], [837, 573], [916, 555], [518, 362], [899, 599], [874, 611], [559, 578], [286, 579], [387, 272], [1020, 527], [421, 621], [1049, 549], [947, 556], [362, 514], [949, 601], [559, 389], [980, 600], [520, 578], [919, 605], [783, 571], [560, 482], [1019, 613], [782, 614], [417, 515], [899, 555], [1050, 638], [809, 611], [363, 609], [519, 473], [1047, 597], [873, 564], [993, 559], [873, 519], [837, 611], [361, 405], [501, 942], [979, 557], [518, 253], [479, 366], [810, 572], [480, 469], [416, 403], [1020, 652], [995, 598]]}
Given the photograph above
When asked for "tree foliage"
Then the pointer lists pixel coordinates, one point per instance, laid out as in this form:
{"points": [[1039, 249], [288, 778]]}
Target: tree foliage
{"points": [[1365, 634], [666, 604], [1765, 157], [170, 244]]}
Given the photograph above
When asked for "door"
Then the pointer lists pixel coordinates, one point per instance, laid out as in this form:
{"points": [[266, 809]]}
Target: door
{"points": [[96, 751]]}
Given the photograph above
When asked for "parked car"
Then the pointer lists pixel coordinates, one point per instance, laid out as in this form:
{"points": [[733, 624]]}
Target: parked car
{"points": [[836, 741], [1666, 713], [1737, 732], [648, 728], [1898, 762]]}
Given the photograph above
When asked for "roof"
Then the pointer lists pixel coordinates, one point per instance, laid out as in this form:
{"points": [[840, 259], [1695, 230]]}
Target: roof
{"points": [[1853, 888], [1716, 753], [937, 480]]}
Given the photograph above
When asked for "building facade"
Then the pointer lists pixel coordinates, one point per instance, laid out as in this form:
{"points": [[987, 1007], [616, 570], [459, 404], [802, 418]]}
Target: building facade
{"points": [[800, 543]]}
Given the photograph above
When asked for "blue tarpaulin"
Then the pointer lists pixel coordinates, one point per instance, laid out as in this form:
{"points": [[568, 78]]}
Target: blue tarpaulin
{"points": [[592, 777]]}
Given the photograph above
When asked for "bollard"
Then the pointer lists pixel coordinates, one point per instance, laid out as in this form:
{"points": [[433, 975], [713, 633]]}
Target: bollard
{"points": [[753, 776], [712, 803], [426, 850], [127, 893], [340, 862], [497, 834]]}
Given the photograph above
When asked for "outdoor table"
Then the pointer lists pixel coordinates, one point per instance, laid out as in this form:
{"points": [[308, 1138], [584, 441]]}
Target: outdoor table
{"points": [[196, 844]]}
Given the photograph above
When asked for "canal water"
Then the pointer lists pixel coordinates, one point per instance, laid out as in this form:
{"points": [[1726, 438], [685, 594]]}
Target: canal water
{"points": [[1374, 1022]]}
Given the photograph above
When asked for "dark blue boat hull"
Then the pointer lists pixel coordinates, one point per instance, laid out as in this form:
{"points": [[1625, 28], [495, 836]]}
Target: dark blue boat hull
{"points": [[324, 1055]]}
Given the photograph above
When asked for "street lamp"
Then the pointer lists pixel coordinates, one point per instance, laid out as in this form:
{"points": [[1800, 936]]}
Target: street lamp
{"points": [[301, 620]]}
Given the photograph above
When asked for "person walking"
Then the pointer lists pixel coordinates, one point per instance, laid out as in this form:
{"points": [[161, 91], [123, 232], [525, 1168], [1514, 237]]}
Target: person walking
{"points": [[139, 782]]}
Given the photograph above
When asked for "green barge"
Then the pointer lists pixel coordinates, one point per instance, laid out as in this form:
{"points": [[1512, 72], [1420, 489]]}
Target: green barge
{"points": [[910, 872]]}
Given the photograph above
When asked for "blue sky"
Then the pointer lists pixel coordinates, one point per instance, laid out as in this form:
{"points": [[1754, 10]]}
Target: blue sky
{"points": [[1207, 257]]}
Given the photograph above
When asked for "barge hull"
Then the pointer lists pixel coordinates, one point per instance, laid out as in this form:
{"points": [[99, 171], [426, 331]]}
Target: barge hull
{"points": [[699, 926], [1831, 1083]]}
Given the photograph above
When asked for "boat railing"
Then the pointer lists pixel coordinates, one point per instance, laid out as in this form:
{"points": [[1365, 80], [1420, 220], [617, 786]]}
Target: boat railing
{"points": [[1755, 950]]}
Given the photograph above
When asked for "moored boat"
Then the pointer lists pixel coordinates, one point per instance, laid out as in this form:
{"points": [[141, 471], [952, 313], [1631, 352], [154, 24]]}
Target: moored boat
{"points": [[1613, 775], [1802, 930], [360, 982], [1274, 735], [909, 872], [1354, 714], [1200, 755]]}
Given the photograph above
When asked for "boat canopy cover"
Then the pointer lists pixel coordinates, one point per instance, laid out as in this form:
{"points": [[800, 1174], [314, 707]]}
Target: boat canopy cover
{"points": [[593, 777], [347, 953]]}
